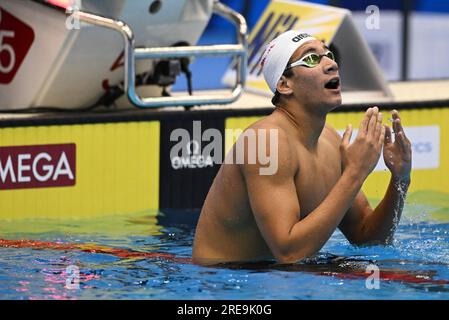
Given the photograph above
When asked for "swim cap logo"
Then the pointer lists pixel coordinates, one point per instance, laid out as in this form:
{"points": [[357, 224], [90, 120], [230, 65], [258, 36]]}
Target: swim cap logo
{"points": [[265, 55], [300, 36]]}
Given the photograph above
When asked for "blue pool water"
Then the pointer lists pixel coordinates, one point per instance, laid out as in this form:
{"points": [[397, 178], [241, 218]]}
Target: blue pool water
{"points": [[420, 256]]}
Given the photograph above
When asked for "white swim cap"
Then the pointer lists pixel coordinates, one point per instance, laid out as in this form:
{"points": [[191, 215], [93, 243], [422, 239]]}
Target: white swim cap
{"points": [[278, 52]]}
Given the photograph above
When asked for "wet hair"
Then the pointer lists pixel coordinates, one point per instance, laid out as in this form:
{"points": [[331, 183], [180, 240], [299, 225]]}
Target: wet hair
{"points": [[277, 96]]}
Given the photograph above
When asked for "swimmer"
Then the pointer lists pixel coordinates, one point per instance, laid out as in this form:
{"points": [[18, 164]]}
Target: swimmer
{"points": [[289, 215]]}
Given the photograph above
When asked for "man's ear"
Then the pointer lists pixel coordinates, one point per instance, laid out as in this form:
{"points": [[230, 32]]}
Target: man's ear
{"points": [[284, 86]]}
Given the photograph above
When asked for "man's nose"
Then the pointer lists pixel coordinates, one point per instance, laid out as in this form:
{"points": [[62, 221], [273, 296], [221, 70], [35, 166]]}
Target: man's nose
{"points": [[330, 66]]}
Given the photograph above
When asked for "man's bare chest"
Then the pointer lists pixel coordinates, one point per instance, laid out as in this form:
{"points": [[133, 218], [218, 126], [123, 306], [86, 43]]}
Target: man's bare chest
{"points": [[317, 175]]}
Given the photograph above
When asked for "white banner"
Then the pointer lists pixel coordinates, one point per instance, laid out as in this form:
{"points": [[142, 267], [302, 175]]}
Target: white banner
{"points": [[425, 147]]}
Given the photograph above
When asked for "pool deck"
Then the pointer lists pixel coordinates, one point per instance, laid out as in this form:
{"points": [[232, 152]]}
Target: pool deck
{"points": [[405, 95]]}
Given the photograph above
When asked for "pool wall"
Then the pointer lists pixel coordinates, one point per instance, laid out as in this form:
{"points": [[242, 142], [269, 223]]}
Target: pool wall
{"points": [[79, 165]]}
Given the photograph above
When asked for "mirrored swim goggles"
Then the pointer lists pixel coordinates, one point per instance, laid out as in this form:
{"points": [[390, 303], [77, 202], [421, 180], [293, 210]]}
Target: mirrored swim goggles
{"points": [[311, 60]]}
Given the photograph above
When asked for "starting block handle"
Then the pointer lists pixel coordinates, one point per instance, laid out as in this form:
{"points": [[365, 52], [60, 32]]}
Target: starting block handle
{"points": [[237, 51]]}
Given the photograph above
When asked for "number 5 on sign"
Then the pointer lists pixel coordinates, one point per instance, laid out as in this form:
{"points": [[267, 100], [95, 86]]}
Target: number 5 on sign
{"points": [[16, 38], [9, 50], [6, 48]]}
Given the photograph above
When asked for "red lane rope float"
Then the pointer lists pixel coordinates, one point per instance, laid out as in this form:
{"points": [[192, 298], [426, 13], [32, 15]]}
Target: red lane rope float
{"points": [[90, 248], [388, 275]]}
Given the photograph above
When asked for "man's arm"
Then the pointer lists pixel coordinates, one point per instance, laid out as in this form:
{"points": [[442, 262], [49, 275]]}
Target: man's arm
{"points": [[275, 204], [362, 224]]}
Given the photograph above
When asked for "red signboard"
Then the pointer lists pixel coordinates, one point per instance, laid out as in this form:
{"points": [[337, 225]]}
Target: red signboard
{"points": [[37, 166], [16, 38]]}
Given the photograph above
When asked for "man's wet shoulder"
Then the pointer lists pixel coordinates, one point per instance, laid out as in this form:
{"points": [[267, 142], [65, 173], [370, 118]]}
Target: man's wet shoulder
{"points": [[267, 125]]}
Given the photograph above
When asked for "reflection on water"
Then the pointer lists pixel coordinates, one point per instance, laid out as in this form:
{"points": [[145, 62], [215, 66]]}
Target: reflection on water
{"points": [[147, 256]]}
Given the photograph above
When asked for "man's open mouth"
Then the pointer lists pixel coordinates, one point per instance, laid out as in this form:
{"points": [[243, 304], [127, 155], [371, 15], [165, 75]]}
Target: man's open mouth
{"points": [[333, 83]]}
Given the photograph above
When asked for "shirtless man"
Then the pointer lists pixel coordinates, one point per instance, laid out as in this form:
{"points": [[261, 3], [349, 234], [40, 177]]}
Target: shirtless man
{"points": [[316, 189]]}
